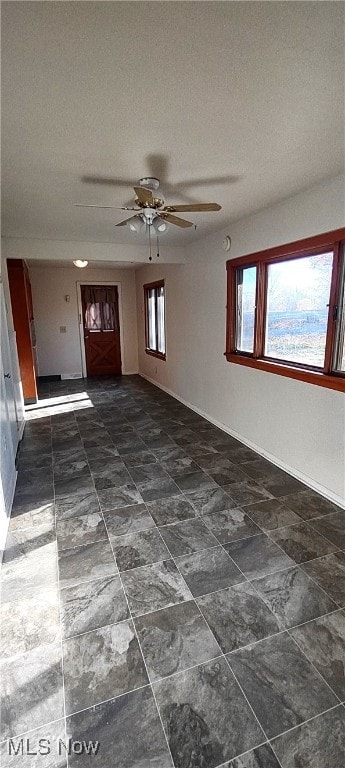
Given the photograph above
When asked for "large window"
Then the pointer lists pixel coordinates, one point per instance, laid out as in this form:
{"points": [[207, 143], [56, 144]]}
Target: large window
{"points": [[286, 310], [154, 295]]}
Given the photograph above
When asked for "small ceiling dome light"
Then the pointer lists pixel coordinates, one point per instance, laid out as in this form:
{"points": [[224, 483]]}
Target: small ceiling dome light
{"points": [[80, 263]]}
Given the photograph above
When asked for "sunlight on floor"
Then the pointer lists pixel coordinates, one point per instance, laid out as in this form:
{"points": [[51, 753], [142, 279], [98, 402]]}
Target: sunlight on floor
{"points": [[55, 405]]}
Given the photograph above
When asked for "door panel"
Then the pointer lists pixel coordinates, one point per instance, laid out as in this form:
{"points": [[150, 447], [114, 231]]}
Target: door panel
{"points": [[101, 330]]}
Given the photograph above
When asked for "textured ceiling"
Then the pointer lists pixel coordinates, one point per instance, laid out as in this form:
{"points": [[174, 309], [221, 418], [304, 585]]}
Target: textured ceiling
{"points": [[235, 102]]}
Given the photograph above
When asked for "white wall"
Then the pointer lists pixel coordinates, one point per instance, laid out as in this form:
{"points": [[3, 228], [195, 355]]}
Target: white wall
{"points": [[300, 426], [60, 353]]}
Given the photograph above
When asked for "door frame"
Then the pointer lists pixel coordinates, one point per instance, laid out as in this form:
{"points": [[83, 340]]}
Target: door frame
{"points": [[81, 324]]}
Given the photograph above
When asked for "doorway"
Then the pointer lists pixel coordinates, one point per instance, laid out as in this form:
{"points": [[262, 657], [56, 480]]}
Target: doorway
{"points": [[101, 330]]}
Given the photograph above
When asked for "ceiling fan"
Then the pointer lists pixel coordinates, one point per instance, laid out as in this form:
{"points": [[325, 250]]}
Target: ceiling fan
{"points": [[150, 211]]}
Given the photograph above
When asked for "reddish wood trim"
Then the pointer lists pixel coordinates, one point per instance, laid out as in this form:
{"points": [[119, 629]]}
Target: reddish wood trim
{"points": [[333, 301], [231, 310], [155, 354], [301, 374], [155, 284], [308, 246], [260, 310]]}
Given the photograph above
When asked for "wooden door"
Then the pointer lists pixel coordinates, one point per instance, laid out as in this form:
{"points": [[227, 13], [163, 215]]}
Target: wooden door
{"points": [[101, 330]]}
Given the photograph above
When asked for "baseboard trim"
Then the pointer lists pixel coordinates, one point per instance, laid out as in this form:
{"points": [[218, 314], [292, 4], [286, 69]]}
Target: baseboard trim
{"points": [[326, 492]]}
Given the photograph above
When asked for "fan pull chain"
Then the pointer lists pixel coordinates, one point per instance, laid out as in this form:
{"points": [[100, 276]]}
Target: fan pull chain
{"points": [[157, 246], [150, 256]]}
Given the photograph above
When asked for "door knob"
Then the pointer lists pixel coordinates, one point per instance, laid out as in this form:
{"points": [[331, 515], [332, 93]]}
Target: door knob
{"points": [[7, 375]]}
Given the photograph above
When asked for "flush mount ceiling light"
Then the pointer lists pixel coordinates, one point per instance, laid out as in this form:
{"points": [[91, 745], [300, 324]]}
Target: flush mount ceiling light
{"points": [[80, 263]]}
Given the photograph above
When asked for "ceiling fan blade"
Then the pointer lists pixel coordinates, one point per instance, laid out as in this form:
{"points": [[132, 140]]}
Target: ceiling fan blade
{"points": [[123, 223], [175, 220], [115, 207], [144, 195], [193, 207]]}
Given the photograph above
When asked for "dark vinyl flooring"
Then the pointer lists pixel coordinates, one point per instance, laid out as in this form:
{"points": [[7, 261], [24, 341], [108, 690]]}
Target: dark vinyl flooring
{"points": [[167, 593]]}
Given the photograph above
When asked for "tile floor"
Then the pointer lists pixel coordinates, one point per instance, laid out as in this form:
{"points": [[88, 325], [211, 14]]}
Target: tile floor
{"points": [[167, 593]]}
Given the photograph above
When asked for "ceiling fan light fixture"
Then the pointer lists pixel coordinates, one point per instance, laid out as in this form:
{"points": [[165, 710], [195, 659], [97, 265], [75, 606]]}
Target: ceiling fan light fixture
{"points": [[135, 224], [160, 226], [80, 263]]}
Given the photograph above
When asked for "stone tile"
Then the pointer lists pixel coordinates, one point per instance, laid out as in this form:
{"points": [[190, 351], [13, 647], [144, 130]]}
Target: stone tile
{"points": [[158, 489], [194, 481], [187, 536], [329, 573], [262, 757], [323, 642], [247, 492], [116, 498], [240, 454], [77, 505], [238, 616], [208, 571], [128, 520], [30, 558], [73, 485], [272, 514], [200, 710], [280, 683], [230, 525], [317, 744], [119, 668], [212, 500], [34, 506], [127, 728], [333, 528], [31, 690], [138, 458], [92, 604], [153, 587], [257, 556], [293, 597], [261, 470], [73, 465], [308, 504], [283, 484], [90, 561], [33, 756], [174, 639], [170, 510], [112, 475], [301, 542], [76, 531], [31, 478], [29, 619], [139, 548]]}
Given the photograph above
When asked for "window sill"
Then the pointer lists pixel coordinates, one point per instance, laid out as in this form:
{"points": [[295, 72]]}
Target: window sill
{"points": [[152, 352], [301, 374]]}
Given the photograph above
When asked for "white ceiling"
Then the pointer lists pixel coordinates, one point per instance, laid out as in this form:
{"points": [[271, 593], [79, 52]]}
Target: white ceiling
{"points": [[235, 102]]}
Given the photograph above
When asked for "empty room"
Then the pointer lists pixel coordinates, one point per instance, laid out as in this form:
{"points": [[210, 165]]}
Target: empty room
{"points": [[172, 479]]}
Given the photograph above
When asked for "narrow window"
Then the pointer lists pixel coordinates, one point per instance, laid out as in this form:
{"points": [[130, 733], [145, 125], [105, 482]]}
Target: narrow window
{"points": [[154, 295], [245, 288]]}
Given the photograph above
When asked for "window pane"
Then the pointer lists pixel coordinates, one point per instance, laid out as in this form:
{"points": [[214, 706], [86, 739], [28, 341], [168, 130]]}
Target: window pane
{"points": [[339, 362], [246, 288], [160, 319], [151, 318], [297, 312]]}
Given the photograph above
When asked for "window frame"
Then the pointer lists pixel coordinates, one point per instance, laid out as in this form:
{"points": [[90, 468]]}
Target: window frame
{"points": [[329, 241], [148, 287]]}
